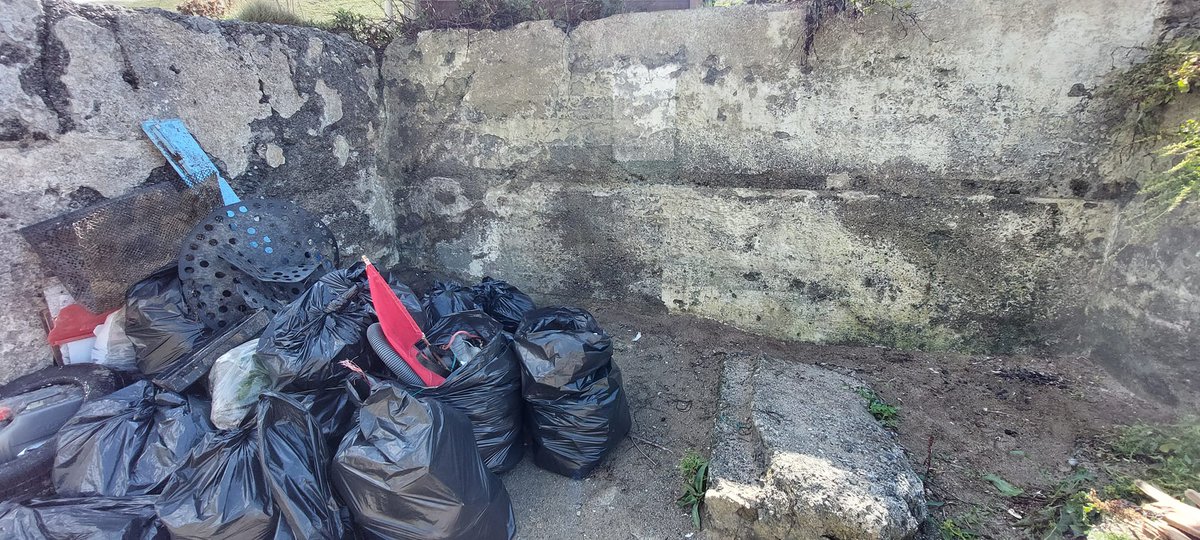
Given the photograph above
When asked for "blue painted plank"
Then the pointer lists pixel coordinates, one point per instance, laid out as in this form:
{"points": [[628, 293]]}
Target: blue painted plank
{"points": [[184, 154]]}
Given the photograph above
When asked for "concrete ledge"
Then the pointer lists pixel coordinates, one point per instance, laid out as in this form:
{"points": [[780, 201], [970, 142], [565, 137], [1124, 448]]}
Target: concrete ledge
{"points": [[797, 456]]}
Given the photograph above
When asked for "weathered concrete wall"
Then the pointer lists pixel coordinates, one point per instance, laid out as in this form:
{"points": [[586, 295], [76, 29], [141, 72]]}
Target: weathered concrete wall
{"points": [[283, 111], [797, 173], [1143, 318]]}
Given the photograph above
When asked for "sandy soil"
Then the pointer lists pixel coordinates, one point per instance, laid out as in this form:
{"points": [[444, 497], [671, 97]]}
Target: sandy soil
{"points": [[1017, 417]]}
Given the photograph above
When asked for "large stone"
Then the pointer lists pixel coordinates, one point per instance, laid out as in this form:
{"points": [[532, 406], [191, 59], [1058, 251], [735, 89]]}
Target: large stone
{"points": [[797, 456]]}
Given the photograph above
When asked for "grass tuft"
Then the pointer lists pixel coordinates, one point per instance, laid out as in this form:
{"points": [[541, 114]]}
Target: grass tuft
{"points": [[267, 11]]}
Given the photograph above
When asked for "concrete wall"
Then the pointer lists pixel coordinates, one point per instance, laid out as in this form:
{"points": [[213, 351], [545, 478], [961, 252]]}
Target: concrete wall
{"points": [[283, 111], [791, 171]]}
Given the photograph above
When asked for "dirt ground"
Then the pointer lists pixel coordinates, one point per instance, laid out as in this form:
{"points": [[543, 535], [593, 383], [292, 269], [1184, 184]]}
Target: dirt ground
{"points": [[1020, 418]]}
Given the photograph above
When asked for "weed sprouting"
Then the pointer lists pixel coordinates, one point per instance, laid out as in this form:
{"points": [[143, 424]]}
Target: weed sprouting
{"points": [[886, 414], [961, 526], [694, 469]]}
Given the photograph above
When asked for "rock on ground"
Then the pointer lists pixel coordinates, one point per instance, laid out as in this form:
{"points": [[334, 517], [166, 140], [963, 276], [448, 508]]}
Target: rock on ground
{"points": [[797, 455]]}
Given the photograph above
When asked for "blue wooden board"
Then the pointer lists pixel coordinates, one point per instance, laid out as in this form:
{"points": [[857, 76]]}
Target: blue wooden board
{"points": [[182, 151]]}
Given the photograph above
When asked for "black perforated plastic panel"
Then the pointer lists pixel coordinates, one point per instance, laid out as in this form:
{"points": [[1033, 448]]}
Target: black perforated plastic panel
{"points": [[256, 254]]}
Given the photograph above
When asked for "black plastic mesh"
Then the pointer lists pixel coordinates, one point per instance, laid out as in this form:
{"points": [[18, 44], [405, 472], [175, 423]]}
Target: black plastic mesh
{"points": [[255, 254], [98, 252]]}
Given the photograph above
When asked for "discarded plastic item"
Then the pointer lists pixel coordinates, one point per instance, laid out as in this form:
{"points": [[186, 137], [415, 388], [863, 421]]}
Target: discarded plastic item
{"points": [[303, 344], [78, 351], [74, 322], [487, 390], [503, 302], [184, 154], [35, 407], [401, 331], [266, 479], [462, 349], [128, 443], [398, 366], [448, 297], [186, 372], [93, 518], [576, 406], [409, 470], [112, 347], [158, 323], [99, 251], [637, 337], [74, 333], [256, 254], [235, 382], [34, 418]]}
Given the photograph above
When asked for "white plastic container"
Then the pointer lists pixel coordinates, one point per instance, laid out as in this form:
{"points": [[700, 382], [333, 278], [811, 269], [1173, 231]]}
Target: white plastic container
{"points": [[78, 351]]}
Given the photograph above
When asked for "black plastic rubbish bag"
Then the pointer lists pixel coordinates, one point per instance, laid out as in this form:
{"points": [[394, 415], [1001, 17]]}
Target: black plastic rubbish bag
{"points": [[503, 302], [128, 443], [576, 406], [487, 390], [93, 518], [302, 346], [409, 469], [447, 297], [333, 410], [158, 323], [267, 479]]}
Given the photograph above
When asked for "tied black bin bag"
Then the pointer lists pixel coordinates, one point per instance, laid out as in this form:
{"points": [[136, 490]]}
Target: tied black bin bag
{"points": [[158, 323], [576, 406], [487, 390], [128, 443], [410, 470], [302, 345], [447, 297], [503, 302], [265, 480], [129, 518]]}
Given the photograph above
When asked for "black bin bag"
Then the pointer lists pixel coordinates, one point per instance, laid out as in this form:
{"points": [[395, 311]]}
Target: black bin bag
{"points": [[447, 297], [94, 518], [128, 443], [503, 302], [266, 479], [158, 323], [409, 469], [487, 390], [302, 346], [333, 410], [574, 401]]}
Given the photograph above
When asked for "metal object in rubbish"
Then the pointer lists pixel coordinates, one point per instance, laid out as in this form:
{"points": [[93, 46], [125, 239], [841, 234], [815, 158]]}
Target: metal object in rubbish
{"points": [[176, 143], [99, 251], [195, 367], [255, 254]]}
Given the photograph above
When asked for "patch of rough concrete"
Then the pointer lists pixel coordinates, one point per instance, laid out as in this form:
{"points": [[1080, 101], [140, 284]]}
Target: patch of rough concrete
{"points": [[737, 96], [76, 81], [978, 273], [797, 456]]}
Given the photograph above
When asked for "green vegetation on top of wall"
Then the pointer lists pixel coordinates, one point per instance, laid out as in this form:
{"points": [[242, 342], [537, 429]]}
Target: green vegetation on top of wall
{"points": [[1169, 71]]}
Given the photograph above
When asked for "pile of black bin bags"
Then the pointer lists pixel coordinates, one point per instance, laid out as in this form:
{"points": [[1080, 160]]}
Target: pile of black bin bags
{"points": [[335, 449]]}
